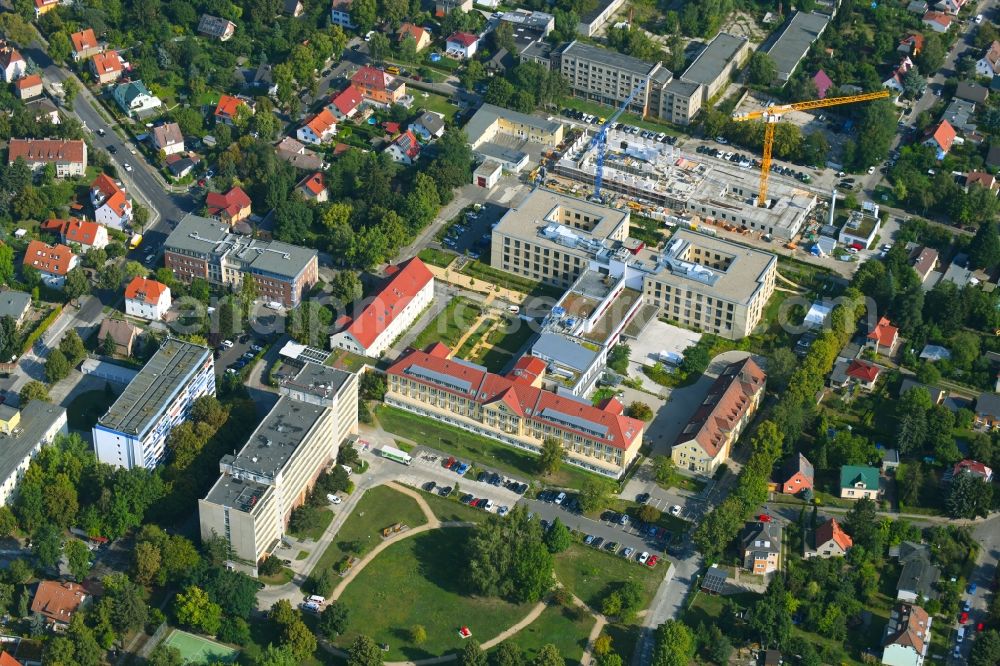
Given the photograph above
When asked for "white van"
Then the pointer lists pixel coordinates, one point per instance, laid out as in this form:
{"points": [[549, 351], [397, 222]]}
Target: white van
{"points": [[316, 599], [960, 636]]}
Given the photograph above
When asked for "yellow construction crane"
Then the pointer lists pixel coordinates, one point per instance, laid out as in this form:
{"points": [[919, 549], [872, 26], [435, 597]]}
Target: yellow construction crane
{"points": [[772, 114]]}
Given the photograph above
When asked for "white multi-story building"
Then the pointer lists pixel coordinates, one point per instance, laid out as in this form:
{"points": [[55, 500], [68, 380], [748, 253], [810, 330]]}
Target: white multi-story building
{"points": [[249, 506], [23, 433], [147, 299], [133, 432]]}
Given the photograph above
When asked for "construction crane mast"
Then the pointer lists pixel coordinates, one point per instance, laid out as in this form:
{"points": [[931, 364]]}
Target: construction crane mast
{"points": [[600, 140], [772, 114]]}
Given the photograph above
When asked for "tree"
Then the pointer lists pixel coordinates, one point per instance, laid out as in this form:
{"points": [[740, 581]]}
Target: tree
{"points": [[70, 91], [548, 656], [46, 545], [648, 513], [72, 347], [769, 618], [167, 655], [8, 522], [473, 74], [761, 71], [364, 652], [33, 390], [640, 410], [299, 639], [56, 367], [78, 557], [969, 497], [507, 557], [914, 84], [594, 493], [558, 538], [146, 561], [346, 287], [984, 251], [249, 292], [6, 256], [194, 609], [552, 455], [379, 47], [108, 345], [472, 654], [507, 654], [77, 284], [59, 48], [418, 634], [333, 620], [986, 649], [665, 471]]}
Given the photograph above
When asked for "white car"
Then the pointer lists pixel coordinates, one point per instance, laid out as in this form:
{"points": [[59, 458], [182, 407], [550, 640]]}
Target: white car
{"points": [[333, 499], [489, 505], [979, 18], [871, 169], [852, 250], [128, 167], [643, 557], [228, 344], [675, 510], [721, 139], [502, 511]]}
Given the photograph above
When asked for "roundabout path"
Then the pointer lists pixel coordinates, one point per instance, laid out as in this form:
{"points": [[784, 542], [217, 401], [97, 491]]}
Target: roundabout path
{"points": [[434, 523]]}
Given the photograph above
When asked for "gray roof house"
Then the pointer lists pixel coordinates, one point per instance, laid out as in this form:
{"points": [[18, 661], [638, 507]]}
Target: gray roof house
{"points": [[919, 575], [794, 40], [428, 126], [14, 304], [937, 395], [972, 92]]}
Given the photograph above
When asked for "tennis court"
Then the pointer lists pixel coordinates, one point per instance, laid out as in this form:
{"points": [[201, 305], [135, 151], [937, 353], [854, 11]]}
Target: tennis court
{"points": [[198, 650]]}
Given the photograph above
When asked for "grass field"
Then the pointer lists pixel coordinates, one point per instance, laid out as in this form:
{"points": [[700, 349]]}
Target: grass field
{"points": [[449, 326], [592, 574], [483, 450], [447, 509], [560, 626], [379, 508], [326, 515], [436, 257], [416, 582], [83, 412], [506, 341], [195, 649], [470, 342], [481, 271]]}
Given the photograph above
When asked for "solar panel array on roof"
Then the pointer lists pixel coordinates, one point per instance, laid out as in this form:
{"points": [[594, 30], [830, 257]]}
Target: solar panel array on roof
{"points": [[439, 378], [574, 422], [715, 580]]}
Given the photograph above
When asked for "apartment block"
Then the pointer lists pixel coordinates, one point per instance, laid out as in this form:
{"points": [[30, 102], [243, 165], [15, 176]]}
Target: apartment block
{"points": [[23, 433], [252, 501], [204, 248], [133, 432]]}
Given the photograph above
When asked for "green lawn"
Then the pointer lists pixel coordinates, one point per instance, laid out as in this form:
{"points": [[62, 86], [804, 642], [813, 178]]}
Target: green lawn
{"points": [[84, 410], [460, 443], [560, 626], [379, 508], [449, 508], [416, 581], [482, 271], [436, 257], [450, 325], [506, 341], [326, 515], [592, 574], [285, 575], [432, 102], [470, 342]]}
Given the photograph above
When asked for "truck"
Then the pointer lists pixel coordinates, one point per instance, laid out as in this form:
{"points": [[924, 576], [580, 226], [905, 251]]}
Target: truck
{"points": [[397, 455]]}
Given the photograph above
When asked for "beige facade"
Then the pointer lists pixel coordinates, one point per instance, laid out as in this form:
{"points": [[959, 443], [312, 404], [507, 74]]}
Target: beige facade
{"points": [[252, 501]]}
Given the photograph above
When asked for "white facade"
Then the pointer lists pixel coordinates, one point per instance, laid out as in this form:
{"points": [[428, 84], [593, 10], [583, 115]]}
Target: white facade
{"points": [[107, 215], [14, 70], [142, 308], [22, 452], [399, 324], [305, 134]]}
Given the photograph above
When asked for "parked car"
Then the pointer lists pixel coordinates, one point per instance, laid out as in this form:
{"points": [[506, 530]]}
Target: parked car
{"points": [[502, 511], [675, 510], [642, 498], [445, 492], [335, 499], [597, 542], [651, 562], [623, 520], [627, 553], [560, 498], [589, 539], [461, 469], [643, 557], [430, 486]]}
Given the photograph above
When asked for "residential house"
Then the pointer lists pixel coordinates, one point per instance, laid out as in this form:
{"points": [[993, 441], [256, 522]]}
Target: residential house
{"points": [[988, 411], [57, 602], [123, 333], [408, 292], [296, 154], [85, 44], [111, 204], [168, 138], [982, 179], [340, 13], [319, 129], [134, 99], [182, 165], [854, 371], [935, 353], [911, 45], [15, 304], [52, 261], [421, 38], [883, 338], [761, 541], [796, 475], [147, 299], [918, 578], [917, 7], [941, 138], [294, 8], [230, 208], [707, 439], [907, 636], [404, 148], [215, 27], [45, 6], [345, 104], [12, 64], [829, 540], [972, 92], [313, 188], [461, 45], [444, 7], [28, 86], [428, 126], [262, 79], [960, 114], [7, 659], [937, 395], [88, 235], [950, 6], [226, 109], [973, 467], [378, 87], [859, 481], [890, 460], [895, 80], [823, 83], [926, 263], [989, 64], [43, 110], [937, 21], [68, 155], [107, 67]]}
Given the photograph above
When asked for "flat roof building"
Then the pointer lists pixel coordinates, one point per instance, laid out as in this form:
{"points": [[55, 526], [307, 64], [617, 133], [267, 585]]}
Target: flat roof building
{"points": [[133, 432], [794, 40], [715, 65], [592, 21], [489, 121], [251, 503], [23, 433]]}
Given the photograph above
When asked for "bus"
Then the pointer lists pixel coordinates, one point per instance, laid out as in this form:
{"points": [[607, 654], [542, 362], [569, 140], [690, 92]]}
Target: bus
{"points": [[396, 454]]}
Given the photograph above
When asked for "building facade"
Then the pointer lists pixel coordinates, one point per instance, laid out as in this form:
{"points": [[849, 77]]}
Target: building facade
{"points": [[23, 433], [203, 248], [133, 432], [68, 155], [251, 503], [146, 299]]}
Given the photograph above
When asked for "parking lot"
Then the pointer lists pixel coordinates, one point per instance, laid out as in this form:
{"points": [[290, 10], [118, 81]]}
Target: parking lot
{"points": [[657, 338], [471, 233]]}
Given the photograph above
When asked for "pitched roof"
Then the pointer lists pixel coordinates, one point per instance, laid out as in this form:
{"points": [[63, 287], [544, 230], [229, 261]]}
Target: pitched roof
{"points": [[322, 122], [52, 259], [474, 382], [315, 184], [762, 537], [831, 531], [864, 371], [407, 142], [232, 202], [925, 261], [851, 475], [972, 467], [798, 464], [411, 277], [823, 83], [84, 40], [46, 150], [944, 135], [981, 178], [988, 404], [80, 231], [972, 92], [168, 134], [464, 38], [884, 332], [409, 29], [728, 400], [105, 185], [107, 62], [215, 26], [347, 100], [8, 55], [7, 660], [227, 106], [370, 77], [29, 81], [938, 17], [117, 202], [909, 627], [121, 331], [144, 289], [527, 369], [431, 121], [58, 601]]}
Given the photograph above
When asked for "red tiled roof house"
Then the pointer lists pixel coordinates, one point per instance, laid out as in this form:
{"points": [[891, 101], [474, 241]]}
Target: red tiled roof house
{"points": [[147, 299], [29, 86], [88, 235], [313, 188], [225, 110], [319, 129], [797, 475], [884, 337], [107, 67], [85, 44], [52, 261], [111, 204], [68, 155], [231, 207], [57, 602], [829, 540], [377, 87]]}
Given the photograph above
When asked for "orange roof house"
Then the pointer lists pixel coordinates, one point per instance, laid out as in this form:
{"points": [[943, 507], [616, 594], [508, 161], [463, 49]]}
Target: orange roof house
{"points": [[52, 260], [84, 44], [829, 540], [28, 86], [318, 129], [107, 66], [378, 87], [88, 235], [418, 34], [225, 110], [231, 207], [58, 601], [147, 298], [884, 337], [942, 137], [313, 187]]}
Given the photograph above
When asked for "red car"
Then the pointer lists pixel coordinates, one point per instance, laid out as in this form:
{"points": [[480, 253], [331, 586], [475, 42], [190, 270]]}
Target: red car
{"points": [[651, 562], [449, 462], [980, 626], [963, 618]]}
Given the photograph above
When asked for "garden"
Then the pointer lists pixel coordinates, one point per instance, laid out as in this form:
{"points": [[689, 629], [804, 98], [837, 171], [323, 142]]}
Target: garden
{"points": [[450, 325]]}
